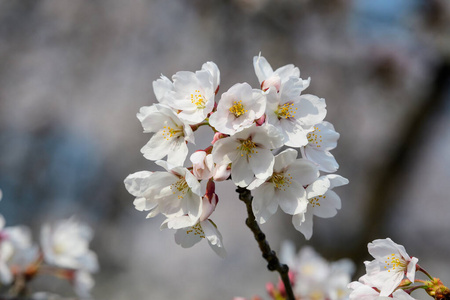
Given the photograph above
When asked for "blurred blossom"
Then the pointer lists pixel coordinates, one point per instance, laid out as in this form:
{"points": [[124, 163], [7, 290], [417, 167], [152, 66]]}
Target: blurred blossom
{"points": [[314, 277]]}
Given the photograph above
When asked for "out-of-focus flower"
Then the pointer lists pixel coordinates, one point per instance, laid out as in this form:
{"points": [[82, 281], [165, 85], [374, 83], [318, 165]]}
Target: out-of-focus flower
{"points": [[285, 187], [83, 284], [313, 277], [17, 253], [238, 108], [171, 134], [390, 266], [66, 245], [323, 202], [249, 152]]}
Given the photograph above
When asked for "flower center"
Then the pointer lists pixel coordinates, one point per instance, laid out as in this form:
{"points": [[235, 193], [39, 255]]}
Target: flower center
{"points": [[314, 138], [196, 230], [180, 187], [169, 132], [286, 111], [247, 147], [395, 262], [198, 100], [281, 181], [238, 108], [316, 200]]}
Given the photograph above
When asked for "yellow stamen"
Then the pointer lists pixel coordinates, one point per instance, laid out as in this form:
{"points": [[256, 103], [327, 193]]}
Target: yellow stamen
{"points": [[237, 109]]}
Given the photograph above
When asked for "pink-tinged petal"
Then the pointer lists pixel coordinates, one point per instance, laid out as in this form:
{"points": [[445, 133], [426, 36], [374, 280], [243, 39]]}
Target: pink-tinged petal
{"points": [[264, 204], [306, 226], [261, 163], [161, 87], [263, 69], [241, 173], [304, 171]]}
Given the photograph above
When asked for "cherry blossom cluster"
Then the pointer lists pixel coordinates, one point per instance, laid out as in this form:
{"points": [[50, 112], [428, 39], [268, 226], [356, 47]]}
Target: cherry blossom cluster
{"points": [[63, 252], [311, 276], [257, 136], [392, 274]]}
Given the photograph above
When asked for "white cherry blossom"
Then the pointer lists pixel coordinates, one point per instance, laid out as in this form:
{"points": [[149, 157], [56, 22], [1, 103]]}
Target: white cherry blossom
{"points": [[269, 78], [141, 185], [249, 152], [294, 114], [204, 229], [362, 290], [16, 251], [171, 134], [190, 94], [284, 187], [66, 244], [238, 108], [321, 140], [390, 266], [323, 202]]}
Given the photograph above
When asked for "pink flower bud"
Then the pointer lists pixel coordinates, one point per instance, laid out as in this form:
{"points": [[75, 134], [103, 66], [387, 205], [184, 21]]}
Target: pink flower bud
{"points": [[209, 201], [274, 81], [218, 136], [261, 120]]}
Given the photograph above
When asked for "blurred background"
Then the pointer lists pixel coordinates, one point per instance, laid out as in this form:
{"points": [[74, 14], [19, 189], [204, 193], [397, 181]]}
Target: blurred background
{"points": [[73, 75]]}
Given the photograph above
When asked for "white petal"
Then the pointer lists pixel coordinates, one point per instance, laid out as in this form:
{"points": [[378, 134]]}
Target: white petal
{"points": [[305, 227], [262, 68], [241, 173], [264, 205]]}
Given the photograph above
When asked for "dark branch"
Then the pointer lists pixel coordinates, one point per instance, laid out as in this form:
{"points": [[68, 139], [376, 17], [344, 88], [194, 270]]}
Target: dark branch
{"points": [[268, 254]]}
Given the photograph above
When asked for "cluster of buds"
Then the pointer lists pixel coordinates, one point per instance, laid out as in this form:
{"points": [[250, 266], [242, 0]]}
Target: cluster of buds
{"points": [[249, 126], [392, 274], [63, 252]]}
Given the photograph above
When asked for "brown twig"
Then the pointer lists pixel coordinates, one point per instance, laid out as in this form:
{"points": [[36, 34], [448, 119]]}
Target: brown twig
{"points": [[268, 254]]}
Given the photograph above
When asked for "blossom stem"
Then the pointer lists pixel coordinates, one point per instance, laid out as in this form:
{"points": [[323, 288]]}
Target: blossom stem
{"points": [[268, 254], [419, 268]]}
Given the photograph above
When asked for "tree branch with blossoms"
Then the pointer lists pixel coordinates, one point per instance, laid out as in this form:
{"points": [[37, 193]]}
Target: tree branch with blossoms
{"points": [[249, 125], [268, 254]]}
